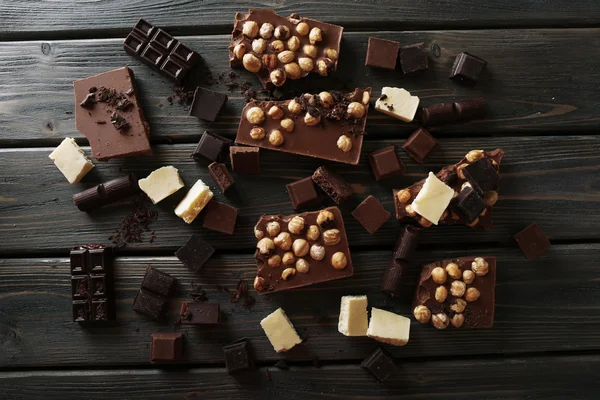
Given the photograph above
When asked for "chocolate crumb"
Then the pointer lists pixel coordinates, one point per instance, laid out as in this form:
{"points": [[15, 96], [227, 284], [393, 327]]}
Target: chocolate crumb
{"points": [[119, 122], [382, 97], [130, 91], [134, 226], [100, 122], [89, 101], [123, 105]]}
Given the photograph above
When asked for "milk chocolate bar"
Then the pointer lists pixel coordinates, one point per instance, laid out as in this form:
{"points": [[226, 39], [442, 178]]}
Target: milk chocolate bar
{"points": [[277, 48], [328, 125], [106, 193], [301, 250]]}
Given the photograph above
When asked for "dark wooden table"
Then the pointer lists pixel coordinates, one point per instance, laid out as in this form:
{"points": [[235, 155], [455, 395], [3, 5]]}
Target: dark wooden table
{"points": [[542, 87]]}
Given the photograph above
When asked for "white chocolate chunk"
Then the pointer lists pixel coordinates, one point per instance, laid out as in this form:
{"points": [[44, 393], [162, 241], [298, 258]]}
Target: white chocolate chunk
{"points": [[354, 320], [397, 103], [161, 183], [193, 202], [280, 331], [433, 199], [71, 160], [388, 327]]}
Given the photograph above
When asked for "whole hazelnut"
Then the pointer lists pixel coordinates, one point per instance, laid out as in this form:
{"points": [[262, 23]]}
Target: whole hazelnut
{"points": [[266, 30], [344, 143], [275, 112], [251, 62], [287, 124], [293, 43], [453, 270], [300, 247], [273, 228], [458, 320], [313, 233], [293, 70], [424, 222], [288, 273], [310, 50], [294, 107], [490, 197], [440, 321], [459, 305], [410, 211], [422, 314], [317, 252], [270, 61], [288, 258], [259, 45], [331, 237], [326, 99], [302, 266], [468, 276], [296, 225], [323, 68], [283, 241], [315, 35], [257, 133], [302, 29], [259, 284], [239, 50], [276, 138], [278, 77], [286, 56], [339, 260], [480, 267], [356, 110], [472, 294], [458, 288], [474, 155], [306, 64], [282, 32], [255, 115], [325, 217], [366, 98], [332, 54], [311, 120], [403, 196], [439, 276], [274, 261], [258, 234], [265, 246], [277, 46], [250, 29], [441, 294]]}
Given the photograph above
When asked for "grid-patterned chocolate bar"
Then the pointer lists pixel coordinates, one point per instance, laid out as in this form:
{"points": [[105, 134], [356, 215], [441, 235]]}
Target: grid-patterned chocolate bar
{"points": [[160, 51], [92, 286]]}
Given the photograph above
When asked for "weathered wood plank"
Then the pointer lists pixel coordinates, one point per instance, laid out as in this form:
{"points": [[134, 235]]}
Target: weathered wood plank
{"points": [[548, 304], [537, 81], [551, 180]]}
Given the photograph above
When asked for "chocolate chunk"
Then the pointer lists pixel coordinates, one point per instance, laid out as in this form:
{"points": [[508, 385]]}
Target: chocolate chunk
{"points": [[382, 53], [166, 347], [154, 294], [119, 122], [195, 313], [123, 105], [391, 281], [150, 304], [207, 104], [245, 160], [482, 175], [158, 282], [406, 243], [106, 193], [332, 184], [385, 163], [467, 68], [379, 364], [237, 356], [438, 114], [532, 241], [469, 204], [413, 58], [194, 253], [303, 193], [211, 148], [221, 176], [89, 101], [467, 110], [420, 145], [371, 214], [220, 217]]}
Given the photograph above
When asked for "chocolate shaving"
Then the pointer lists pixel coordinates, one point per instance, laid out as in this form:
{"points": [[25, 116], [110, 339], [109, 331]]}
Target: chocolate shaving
{"points": [[130, 91], [240, 293], [89, 101], [123, 105], [390, 107], [100, 122], [134, 226], [93, 89], [119, 122]]}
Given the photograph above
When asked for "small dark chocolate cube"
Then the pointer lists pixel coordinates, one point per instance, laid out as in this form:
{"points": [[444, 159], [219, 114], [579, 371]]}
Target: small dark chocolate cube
{"points": [[211, 148], [99, 310], [145, 28], [420, 145], [469, 204], [134, 45], [379, 364], [532, 241], [303, 193], [413, 58], [482, 175], [382, 53], [245, 160], [207, 104], [158, 282], [166, 347], [219, 173], [467, 68], [237, 356], [371, 214], [385, 163], [185, 54], [220, 217], [195, 252]]}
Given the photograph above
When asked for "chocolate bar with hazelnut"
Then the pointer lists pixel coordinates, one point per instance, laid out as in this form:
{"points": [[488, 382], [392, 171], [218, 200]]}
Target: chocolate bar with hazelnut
{"points": [[278, 49], [457, 292], [328, 125], [300, 250], [454, 176]]}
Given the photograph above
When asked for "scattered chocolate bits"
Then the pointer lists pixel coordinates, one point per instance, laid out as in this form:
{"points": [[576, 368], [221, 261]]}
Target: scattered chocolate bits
{"points": [[134, 226], [89, 101], [119, 122]]}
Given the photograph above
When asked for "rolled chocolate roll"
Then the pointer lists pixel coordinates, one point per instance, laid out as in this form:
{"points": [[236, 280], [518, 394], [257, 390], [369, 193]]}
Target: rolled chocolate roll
{"points": [[407, 243], [106, 193], [404, 249]]}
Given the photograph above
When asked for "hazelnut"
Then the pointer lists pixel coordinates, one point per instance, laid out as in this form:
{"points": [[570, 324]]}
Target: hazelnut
{"points": [[306, 64], [294, 107], [439, 276], [302, 29], [410, 211], [483, 213], [269, 61], [326, 99], [255, 115], [293, 70], [239, 50], [282, 32], [460, 172], [315, 36], [440, 320], [459, 305], [458, 288], [331, 237], [453, 270], [302, 266], [296, 225], [277, 46], [300, 247], [275, 112], [309, 99], [468, 276], [458, 320], [276, 138], [258, 234], [266, 30], [323, 68], [474, 155], [265, 246], [317, 252], [283, 241], [422, 314], [332, 54], [273, 228], [286, 56], [325, 217], [311, 120], [277, 77], [403, 196], [344, 143], [250, 29], [441, 294], [251, 62], [293, 43], [366, 98], [259, 46], [472, 294], [490, 197], [257, 133], [313, 233], [356, 110], [288, 273], [339, 260], [310, 50], [274, 261], [287, 124], [424, 222], [288, 258], [259, 283], [480, 267]]}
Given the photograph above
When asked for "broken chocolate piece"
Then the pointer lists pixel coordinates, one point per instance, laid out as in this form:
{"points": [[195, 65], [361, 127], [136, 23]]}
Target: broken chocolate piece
{"points": [[467, 68], [155, 293], [303, 193], [194, 253], [379, 364], [385, 163], [106, 193], [238, 356], [211, 148], [332, 184], [221, 176], [220, 217], [119, 122], [438, 114], [196, 313], [413, 58], [371, 214], [469, 204], [166, 347], [89, 101], [382, 53], [466, 110], [532, 241], [420, 145], [245, 160], [207, 104]]}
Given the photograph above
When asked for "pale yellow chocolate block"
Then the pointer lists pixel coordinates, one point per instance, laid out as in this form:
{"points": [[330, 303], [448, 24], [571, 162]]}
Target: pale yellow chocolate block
{"points": [[280, 331], [193, 202], [71, 160], [397, 103], [354, 319], [388, 327], [161, 183], [433, 199]]}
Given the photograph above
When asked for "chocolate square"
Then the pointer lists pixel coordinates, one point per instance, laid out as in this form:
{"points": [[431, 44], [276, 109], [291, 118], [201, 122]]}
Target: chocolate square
{"points": [[469, 204], [158, 282], [207, 104], [371, 214], [382, 53], [332, 184], [467, 68], [166, 347], [245, 160], [237, 356], [221, 176], [173, 69], [196, 313], [385, 163], [420, 145], [185, 54], [220, 217], [152, 57], [413, 58], [379, 364], [81, 311], [482, 175], [133, 44], [145, 28], [99, 310], [150, 304], [195, 252], [165, 40], [80, 287], [78, 261], [211, 148], [303, 193], [532, 241]]}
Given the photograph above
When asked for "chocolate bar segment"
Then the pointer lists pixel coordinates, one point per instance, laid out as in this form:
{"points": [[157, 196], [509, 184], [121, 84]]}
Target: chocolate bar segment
{"points": [[207, 104], [379, 364], [332, 184], [245, 160], [532, 241], [385, 163], [196, 313], [300, 250], [303, 193], [413, 58], [238, 356], [382, 53], [371, 214], [420, 145], [194, 253], [210, 148], [221, 176], [166, 347], [106, 193], [328, 125], [466, 110], [155, 293], [467, 68], [220, 217], [449, 113]]}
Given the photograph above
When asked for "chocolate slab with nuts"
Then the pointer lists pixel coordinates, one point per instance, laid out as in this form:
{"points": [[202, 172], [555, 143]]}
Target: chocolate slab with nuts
{"points": [[108, 113], [328, 125], [300, 250], [457, 293], [455, 177], [279, 48]]}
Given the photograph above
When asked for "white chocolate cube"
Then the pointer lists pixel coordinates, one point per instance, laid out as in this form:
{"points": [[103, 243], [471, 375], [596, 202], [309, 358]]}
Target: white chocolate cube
{"points": [[193, 202], [388, 327], [433, 199], [354, 319], [280, 331], [397, 103], [161, 183], [71, 160]]}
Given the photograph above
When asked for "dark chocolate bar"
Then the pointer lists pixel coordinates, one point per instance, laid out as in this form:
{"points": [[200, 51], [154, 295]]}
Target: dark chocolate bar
{"points": [[449, 113], [371, 214], [532, 241], [196, 313], [155, 293], [166, 347], [106, 193], [332, 184], [405, 248], [303, 193], [382, 53]]}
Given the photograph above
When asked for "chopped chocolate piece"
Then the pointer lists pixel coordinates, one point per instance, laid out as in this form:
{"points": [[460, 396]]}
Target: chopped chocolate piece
{"points": [[211, 148], [194, 253], [379, 364], [303, 193], [221, 176], [382, 53], [245, 160], [467, 68], [385, 163], [332, 184], [470, 283], [106, 193], [220, 217], [89, 101], [130, 91], [119, 122], [323, 250], [391, 282], [532, 241], [134, 225], [407, 242], [237, 356], [438, 114], [158, 282], [195, 313], [123, 105], [482, 175], [371, 214], [420, 145], [413, 58], [467, 110], [166, 347], [154, 294], [469, 204], [207, 104], [150, 304]]}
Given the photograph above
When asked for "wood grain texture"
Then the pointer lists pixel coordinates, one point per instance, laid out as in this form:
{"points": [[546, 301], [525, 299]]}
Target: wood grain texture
{"points": [[537, 81], [547, 304]]}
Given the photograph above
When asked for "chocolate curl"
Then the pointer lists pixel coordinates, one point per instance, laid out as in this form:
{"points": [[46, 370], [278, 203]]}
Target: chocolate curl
{"points": [[404, 249], [106, 193], [391, 283], [470, 109], [407, 243], [438, 114]]}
